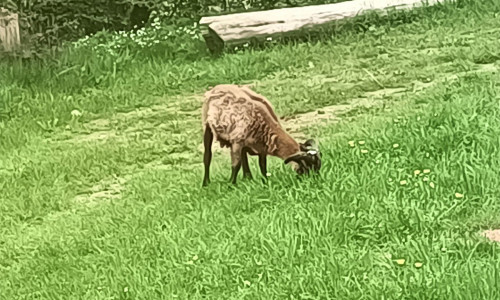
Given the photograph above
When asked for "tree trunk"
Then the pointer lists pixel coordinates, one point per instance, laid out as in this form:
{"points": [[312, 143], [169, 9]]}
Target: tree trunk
{"points": [[233, 29], [10, 39]]}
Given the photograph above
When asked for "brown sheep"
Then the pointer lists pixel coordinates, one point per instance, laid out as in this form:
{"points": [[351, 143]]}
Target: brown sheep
{"points": [[245, 122]]}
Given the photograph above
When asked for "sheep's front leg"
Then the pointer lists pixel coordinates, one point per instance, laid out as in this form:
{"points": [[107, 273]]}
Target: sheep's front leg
{"points": [[236, 153], [207, 156], [244, 163], [263, 166]]}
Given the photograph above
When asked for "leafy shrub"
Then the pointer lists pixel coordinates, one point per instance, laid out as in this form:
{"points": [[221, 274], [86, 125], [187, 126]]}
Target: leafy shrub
{"points": [[50, 22], [157, 40]]}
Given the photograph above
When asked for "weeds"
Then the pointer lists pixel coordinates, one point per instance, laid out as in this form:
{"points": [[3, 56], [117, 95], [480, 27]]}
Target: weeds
{"points": [[152, 41]]}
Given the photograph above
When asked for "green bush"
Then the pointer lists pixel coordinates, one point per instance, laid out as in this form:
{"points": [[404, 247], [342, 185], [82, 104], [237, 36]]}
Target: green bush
{"points": [[156, 40], [50, 22]]}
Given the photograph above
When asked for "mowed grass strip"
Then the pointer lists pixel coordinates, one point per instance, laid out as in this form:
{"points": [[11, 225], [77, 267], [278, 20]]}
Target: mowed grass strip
{"points": [[422, 45], [397, 215]]}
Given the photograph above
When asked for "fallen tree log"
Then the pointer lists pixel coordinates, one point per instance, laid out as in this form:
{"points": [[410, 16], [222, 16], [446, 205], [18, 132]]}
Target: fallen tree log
{"points": [[9, 31], [239, 28]]}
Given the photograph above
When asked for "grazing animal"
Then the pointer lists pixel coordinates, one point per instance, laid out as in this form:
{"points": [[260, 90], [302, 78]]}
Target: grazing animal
{"points": [[245, 122]]}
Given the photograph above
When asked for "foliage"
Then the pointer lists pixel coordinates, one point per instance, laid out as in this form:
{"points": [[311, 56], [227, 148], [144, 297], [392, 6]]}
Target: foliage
{"points": [[51, 22], [152, 41]]}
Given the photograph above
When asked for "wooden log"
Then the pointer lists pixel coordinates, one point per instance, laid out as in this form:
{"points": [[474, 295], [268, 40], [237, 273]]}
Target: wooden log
{"points": [[233, 29], [10, 39]]}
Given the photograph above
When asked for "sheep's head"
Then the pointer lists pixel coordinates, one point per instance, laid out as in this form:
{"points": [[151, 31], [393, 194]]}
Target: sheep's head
{"points": [[309, 158]]}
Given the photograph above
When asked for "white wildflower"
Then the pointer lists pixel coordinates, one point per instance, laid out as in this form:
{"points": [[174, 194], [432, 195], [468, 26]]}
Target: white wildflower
{"points": [[76, 113]]}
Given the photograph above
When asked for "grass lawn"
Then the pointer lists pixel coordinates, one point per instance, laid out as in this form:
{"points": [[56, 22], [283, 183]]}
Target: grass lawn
{"points": [[109, 204]]}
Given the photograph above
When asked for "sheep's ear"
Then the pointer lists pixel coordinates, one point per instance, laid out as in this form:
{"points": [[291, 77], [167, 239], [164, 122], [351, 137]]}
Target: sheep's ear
{"points": [[308, 145], [314, 144], [295, 158]]}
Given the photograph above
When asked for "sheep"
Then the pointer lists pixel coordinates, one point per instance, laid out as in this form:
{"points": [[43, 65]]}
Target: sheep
{"points": [[245, 122]]}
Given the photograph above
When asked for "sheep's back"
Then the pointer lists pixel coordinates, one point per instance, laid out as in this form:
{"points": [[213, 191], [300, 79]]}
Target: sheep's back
{"points": [[234, 115]]}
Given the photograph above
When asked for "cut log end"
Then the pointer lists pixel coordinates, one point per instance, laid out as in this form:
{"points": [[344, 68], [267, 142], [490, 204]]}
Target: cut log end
{"points": [[214, 43]]}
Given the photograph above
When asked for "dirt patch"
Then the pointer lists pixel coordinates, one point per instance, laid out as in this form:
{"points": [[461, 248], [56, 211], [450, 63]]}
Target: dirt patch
{"points": [[111, 189], [99, 124], [179, 110], [385, 92], [95, 136], [492, 235], [104, 190], [159, 165], [188, 109], [325, 115], [481, 68]]}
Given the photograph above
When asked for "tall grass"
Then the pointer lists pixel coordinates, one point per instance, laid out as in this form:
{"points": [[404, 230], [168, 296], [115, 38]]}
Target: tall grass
{"points": [[103, 80], [370, 226]]}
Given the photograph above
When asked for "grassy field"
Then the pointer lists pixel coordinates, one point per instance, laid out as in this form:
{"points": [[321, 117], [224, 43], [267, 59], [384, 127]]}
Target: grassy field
{"points": [[108, 204]]}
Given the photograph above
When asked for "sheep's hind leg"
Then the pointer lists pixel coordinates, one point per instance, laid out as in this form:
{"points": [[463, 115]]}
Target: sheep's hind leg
{"points": [[207, 157], [236, 152], [244, 163]]}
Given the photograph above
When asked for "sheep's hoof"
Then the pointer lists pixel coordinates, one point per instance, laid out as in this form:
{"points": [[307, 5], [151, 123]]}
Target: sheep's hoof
{"points": [[205, 183]]}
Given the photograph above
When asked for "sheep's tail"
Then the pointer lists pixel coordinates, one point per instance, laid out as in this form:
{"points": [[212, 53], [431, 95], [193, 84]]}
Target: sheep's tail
{"points": [[207, 97]]}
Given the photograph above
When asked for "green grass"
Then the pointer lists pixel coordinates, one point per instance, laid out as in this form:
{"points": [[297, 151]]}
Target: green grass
{"points": [[110, 205]]}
